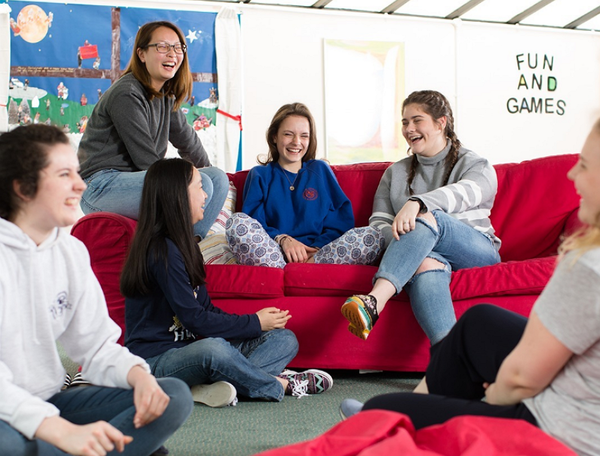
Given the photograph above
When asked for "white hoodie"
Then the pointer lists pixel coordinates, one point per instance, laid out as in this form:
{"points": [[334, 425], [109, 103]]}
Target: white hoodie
{"points": [[48, 293]]}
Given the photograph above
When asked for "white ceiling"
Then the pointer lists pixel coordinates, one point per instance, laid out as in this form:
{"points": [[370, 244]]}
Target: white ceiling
{"points": [[567, 14]]}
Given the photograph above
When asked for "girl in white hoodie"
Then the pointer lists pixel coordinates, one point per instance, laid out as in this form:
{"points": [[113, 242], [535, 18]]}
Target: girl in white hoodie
{"points": [[48, 293]]}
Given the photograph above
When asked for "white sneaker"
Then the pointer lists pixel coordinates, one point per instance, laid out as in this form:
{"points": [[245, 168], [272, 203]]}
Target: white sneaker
{"points": [[218, 394]]}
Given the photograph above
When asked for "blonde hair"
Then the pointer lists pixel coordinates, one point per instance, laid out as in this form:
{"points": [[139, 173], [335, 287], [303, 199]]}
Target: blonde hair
{"points": [[588, 237]]}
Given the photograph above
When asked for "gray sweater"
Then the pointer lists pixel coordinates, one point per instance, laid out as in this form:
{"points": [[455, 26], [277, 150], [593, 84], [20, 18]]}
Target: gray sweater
{"points": [[127, 132], [468, 196]]}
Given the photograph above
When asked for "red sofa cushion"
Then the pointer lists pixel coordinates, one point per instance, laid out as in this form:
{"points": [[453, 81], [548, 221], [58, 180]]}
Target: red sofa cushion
{"points": [[223, 281], [534, 201], [513, 278]]}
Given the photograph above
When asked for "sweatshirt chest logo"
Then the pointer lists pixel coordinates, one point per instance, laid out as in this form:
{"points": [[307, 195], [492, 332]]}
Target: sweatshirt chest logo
{"points": [[179, 332], [60, 305], [310, 194]]}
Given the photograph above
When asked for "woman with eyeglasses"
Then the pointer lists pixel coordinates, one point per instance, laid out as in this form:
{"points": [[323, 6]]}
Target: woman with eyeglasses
{"points": [[133, 122]]}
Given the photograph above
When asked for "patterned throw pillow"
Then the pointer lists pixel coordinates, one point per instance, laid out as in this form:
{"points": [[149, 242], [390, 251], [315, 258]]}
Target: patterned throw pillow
{"points": [[214, 247], [215, 250], [226, 211]]}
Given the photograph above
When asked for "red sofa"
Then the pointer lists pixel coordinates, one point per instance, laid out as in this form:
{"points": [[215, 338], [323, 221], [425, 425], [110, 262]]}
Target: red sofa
{"points": [[535, 205]]}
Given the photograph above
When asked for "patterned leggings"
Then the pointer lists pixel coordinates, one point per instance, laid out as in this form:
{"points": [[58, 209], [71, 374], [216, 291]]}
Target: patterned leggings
{"points": [[252, 246]]}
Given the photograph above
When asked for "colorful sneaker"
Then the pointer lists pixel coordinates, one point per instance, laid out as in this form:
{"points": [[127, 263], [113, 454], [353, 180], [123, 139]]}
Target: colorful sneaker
{"points": [[218, 394], [350, 407], [311, 381], [361, 312]]}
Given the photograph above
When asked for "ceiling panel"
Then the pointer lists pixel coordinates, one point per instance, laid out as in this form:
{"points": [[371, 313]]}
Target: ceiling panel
{"points": [[553, 13], [286, 3], [432, 8], [498, 10], [592, 24], [560, 12], [359, 5]]}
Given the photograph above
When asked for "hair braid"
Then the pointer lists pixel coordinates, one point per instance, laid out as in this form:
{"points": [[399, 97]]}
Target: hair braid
{"points": [[452, 157], [436, 105], [411, 174]]}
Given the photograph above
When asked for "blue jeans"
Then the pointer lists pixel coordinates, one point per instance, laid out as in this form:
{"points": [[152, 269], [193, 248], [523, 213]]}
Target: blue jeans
{"points": [[120, 192], [250, 364], [454, 244], [84, 405]]}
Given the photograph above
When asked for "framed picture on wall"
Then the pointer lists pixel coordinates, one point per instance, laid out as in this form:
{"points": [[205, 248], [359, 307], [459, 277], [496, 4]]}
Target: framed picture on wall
{"points": [[364, 89]]}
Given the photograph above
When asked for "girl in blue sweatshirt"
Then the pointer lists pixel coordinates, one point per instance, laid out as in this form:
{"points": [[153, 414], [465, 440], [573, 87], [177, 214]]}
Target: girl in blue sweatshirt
{"points": [[170, 320], [294, 209]]}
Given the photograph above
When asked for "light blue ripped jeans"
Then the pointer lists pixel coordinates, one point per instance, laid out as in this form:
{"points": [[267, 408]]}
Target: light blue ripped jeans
{"points": [[120, 192], [454, 244], [253, 246]]}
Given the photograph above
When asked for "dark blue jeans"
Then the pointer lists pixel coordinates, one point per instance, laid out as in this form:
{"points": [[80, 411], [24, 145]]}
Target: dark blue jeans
{"points": [[88, 404]]}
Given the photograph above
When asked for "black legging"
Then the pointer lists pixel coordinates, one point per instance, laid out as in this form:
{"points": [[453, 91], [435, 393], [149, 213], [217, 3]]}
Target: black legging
{"points": [[468, 356]]}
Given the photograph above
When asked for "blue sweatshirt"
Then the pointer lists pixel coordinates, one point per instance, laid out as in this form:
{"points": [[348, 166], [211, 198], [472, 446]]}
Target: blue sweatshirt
{"points": [[315, 213], [174, 314]]}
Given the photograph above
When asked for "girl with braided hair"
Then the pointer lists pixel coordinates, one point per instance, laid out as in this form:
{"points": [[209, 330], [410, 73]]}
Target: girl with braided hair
{"points": [[433, 208]]}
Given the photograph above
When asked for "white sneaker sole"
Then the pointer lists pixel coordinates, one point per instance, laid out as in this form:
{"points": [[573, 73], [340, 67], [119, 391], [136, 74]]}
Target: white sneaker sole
{"points": [[218, 394]]}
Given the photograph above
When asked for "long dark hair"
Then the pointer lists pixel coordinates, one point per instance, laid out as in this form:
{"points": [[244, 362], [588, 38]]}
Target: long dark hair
{"points": [[180, 85], [292, 109], [436, 105], [164, 213], [23, 155]]}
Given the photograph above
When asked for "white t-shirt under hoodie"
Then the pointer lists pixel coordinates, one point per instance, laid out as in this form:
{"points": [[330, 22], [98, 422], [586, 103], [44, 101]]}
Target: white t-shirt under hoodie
{"points": [[49, 293]]}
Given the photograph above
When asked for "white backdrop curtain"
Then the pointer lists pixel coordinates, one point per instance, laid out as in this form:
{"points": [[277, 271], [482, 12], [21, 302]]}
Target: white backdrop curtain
{"points": [[4, 63], [228, 43]]}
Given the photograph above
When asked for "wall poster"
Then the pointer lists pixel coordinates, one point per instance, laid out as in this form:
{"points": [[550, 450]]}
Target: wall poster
{"points": [[64, 56]]}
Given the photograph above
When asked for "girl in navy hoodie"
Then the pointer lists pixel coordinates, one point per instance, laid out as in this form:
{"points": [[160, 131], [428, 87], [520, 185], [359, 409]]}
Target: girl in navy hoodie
{"points": [[170, 320]]}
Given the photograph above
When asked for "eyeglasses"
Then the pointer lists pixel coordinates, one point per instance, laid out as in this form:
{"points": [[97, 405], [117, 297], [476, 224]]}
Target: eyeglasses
{"points": [[163, 48]]}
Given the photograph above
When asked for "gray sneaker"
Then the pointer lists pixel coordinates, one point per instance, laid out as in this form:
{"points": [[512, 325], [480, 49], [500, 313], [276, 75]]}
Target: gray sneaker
{"points": [[218, 394], [350, 407]]}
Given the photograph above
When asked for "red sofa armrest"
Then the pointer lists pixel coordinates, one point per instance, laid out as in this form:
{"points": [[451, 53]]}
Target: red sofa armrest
{"points": [[107, 237]]}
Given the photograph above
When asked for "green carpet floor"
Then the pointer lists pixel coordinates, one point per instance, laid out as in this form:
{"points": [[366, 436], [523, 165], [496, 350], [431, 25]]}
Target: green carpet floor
{"points": [[253, 426]]}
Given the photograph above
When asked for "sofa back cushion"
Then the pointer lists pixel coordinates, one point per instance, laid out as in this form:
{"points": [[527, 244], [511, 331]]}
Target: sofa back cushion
{"points": [[358, 181], [534, 203]]}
